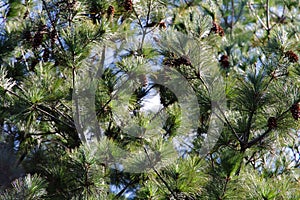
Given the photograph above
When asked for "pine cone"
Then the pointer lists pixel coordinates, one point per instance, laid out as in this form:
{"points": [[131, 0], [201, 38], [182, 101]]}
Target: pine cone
{"points": [[128, 5], [295, 110], [183, 60], [53, 35], [176, 62], [272, 123], [221, 31], [37, 39], [46, 54], [27, 35], [162, 25], [291, 56], [34, 62], [217, 29], [168, 62], [42, 29], [224, 61], [110, 12]]}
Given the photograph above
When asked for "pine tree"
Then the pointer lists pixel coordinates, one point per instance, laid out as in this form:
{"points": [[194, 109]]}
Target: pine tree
{"points": [[75, 76]]}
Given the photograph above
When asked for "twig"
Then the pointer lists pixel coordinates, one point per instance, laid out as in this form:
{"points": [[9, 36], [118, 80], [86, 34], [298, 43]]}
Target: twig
{"points": [[212, 161], [259, 19], [248, 128], [141, 26], [260, 137], [53, 25], [160, 177], [77, 108], [198, 75], [241, 11], [228, 123], [268, 14], [225, 187], [125, 188], [268, 17], [39, 108], [53, 117], [232, 15]]}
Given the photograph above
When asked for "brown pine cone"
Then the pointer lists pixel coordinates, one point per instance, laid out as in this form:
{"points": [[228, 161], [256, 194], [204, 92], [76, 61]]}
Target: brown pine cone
{"points": [[37, 39], [221, 31], [42, 29], [224, 61], [183, 60], [162, 25], [168, 62], [110, 11], [27, 35], [295, 110], [176, 62], [291, 56], [272, 123], [46, 54], [38, 36], [128, 5], [217, 29], [34, 62], [52, 35]]}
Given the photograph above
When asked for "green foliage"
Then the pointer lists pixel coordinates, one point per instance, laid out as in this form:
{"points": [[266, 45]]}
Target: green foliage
{"points": [[76, 76], [256, 186], [29, 187]]}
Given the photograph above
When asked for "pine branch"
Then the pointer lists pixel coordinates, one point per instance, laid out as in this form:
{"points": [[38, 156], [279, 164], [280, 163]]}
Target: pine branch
{"points": [[212, 161], [281, 18], [268, 16], [258, 138], [262, 136], [125, 188], [228, 123], [159, 176], [232, 15], [4, 4], [77, 109], [248, 126], [249, 160], [224, 188], [259, 19], [64, 115], [244, 2], [39, 108], [202, 81], [43, 109], [53, 25], [149, 10], [141, 26]]}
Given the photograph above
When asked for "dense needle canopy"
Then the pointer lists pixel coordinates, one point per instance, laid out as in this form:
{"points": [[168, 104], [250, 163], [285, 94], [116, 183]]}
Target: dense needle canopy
{"points": [[149, 99]]}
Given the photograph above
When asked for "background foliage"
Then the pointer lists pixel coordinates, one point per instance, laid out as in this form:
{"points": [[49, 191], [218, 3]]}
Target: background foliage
{"points": [[46, 45]]}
